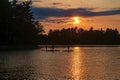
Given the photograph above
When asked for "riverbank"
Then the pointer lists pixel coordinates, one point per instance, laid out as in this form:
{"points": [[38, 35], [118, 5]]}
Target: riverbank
{"points": [[31, 47]]}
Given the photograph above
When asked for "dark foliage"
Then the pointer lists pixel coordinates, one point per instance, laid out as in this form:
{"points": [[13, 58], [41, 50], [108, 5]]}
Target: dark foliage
{"points": [[16, 24], [75, 36]]}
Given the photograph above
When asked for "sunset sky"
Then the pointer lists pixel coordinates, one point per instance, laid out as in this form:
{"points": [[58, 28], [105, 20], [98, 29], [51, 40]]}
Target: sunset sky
{"points": [[57, 14]]}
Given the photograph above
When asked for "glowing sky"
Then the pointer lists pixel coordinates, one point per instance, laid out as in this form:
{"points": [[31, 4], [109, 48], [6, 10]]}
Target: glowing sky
{"points": [[57, 14]]}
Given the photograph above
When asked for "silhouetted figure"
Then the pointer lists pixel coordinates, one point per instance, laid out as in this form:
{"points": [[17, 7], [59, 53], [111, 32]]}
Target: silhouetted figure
{"points": [[68, 48], [46, 46], [52, 47]]}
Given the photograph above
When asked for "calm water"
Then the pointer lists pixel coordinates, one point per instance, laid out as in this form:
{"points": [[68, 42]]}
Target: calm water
{"points": [[83, 63]]}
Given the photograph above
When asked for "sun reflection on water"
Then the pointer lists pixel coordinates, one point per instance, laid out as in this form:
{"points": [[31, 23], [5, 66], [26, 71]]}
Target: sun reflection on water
{"points": [[76, 61]]}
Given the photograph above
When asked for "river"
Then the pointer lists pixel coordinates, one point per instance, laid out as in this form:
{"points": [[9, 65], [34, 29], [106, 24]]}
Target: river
{"points": [[80, 63]]}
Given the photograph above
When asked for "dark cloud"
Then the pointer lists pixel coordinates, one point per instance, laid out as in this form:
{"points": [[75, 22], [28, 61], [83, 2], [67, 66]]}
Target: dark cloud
{"points": [[55, 3], [42, 13], [57, 20], [59, 4]]}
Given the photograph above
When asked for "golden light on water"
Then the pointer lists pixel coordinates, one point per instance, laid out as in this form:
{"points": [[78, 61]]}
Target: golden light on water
{"points": [[76, 48], [76, 61]]}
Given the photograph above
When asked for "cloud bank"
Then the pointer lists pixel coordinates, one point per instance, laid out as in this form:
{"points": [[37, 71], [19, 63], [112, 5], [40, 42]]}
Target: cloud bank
{"points": [[42, 13]]}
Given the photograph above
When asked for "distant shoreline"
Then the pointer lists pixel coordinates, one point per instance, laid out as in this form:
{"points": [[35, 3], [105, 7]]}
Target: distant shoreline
{"points": [[30, 47], [80, 45]]}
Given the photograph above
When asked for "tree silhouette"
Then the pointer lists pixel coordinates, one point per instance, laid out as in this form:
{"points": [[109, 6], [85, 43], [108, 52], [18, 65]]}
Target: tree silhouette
{"points": [[39, 27], [5, 17], [80, 36], [17, 24]]}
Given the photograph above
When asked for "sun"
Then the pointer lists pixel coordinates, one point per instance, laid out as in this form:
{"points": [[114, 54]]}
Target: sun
{"points": [[76, 20]]}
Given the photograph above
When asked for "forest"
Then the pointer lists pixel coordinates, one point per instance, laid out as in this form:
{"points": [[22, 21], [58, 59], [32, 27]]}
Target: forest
{"points": [[17, 24], [18, 27], [79, 36]]}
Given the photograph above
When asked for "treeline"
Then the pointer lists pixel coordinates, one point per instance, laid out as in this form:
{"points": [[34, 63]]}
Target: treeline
{"points": [[17, 25], [79, 36]]}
